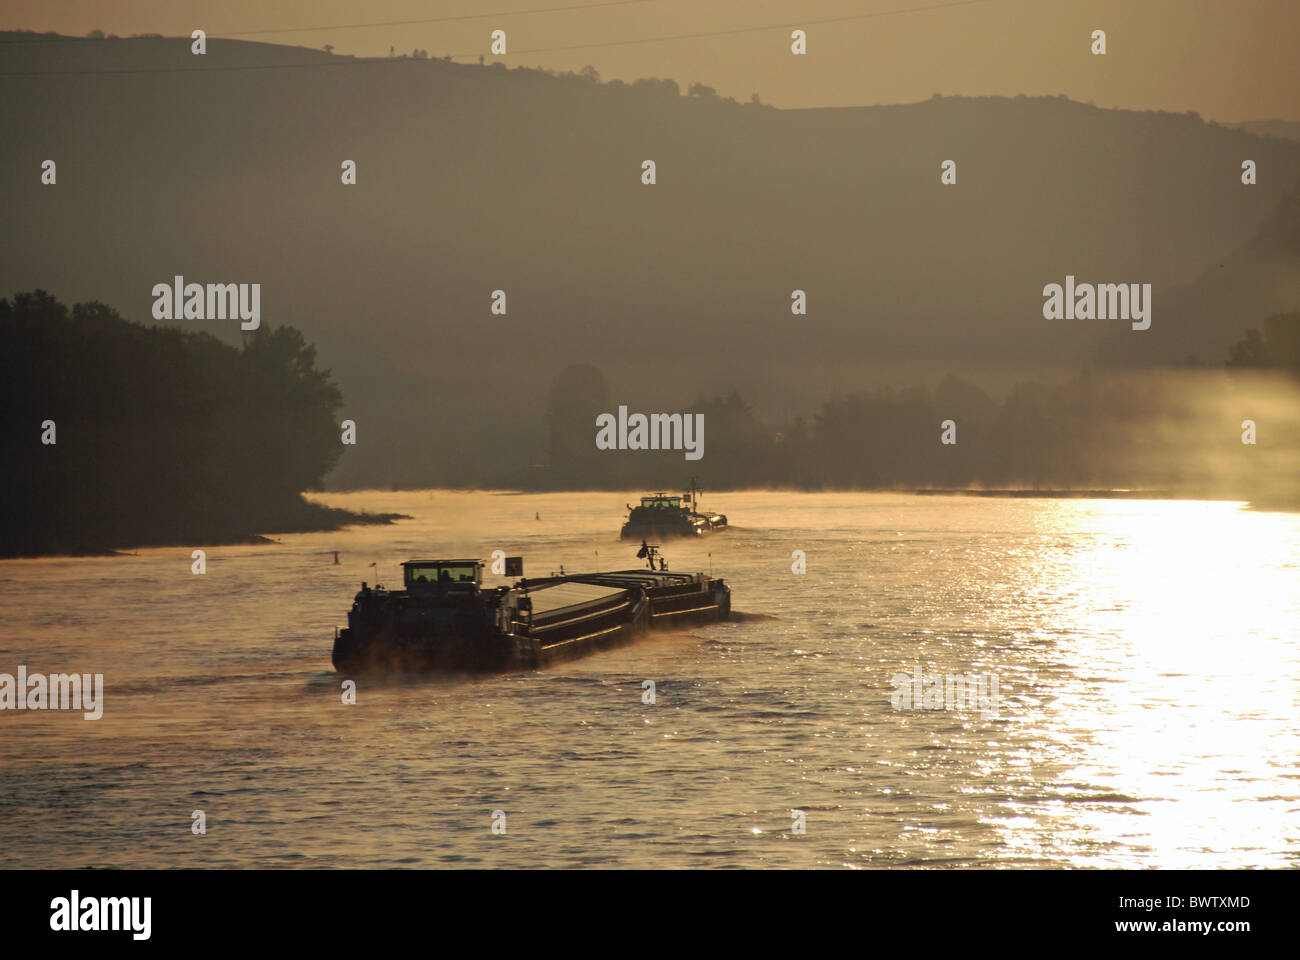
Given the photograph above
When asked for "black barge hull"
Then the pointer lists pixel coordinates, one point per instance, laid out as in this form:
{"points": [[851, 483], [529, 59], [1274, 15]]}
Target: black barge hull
{"points": [[530, 625], [695, 525]]}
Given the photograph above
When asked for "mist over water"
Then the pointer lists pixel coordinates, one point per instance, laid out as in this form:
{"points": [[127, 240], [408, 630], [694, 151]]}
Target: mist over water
{"points": [[1148, 658]]}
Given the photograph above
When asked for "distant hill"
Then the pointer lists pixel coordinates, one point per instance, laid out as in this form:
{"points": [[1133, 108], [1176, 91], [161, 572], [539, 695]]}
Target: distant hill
{"points": [[226, 168], [1283, 129], [1206, 315]]}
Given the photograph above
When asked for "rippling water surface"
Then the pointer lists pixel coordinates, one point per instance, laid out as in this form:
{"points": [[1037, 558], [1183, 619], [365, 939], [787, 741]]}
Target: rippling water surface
{"points": [[1147, 653]]}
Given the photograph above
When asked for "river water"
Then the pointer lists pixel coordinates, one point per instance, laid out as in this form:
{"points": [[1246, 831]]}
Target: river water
{"points": [[1147, 655]]}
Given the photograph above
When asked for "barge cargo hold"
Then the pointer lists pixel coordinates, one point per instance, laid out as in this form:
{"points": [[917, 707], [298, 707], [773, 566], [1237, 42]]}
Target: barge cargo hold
{"points": [[445, 620]]}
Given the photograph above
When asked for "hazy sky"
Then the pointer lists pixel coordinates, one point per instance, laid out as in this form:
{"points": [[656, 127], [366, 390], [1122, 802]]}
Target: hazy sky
{"points": [[1229, 60]]}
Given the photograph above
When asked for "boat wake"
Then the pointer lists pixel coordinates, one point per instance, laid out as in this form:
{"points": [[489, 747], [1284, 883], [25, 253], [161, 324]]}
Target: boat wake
{"points": [[739, 617]]}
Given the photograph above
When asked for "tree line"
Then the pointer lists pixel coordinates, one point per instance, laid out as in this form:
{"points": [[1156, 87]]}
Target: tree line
{"points": [[119, 434], [1166, 429]]}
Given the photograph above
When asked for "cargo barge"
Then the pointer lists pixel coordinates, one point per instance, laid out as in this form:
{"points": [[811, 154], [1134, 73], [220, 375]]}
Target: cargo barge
{"points": [[445, 620], [661, 515]]}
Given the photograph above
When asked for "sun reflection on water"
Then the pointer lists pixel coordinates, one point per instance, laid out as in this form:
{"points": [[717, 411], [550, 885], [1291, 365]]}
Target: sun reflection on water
{"points": [[1179, 682]]}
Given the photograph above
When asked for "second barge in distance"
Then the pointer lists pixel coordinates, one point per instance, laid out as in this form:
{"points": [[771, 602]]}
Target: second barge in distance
{"points": [[445, 620], [661, 515]]}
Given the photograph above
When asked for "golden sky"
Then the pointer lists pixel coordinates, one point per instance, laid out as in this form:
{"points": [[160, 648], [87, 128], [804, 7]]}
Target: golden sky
{"points": [[1229, 60]]}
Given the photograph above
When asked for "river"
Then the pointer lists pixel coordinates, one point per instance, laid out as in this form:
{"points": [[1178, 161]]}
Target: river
{"points": [[1147, 656]]}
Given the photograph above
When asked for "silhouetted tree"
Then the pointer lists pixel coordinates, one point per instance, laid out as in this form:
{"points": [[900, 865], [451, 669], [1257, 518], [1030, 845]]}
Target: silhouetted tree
{"points": [[1277, 349], [162, 436], [578, 395]]}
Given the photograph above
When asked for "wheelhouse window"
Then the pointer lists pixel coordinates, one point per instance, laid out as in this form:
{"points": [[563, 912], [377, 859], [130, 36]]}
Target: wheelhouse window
{"points": [[661, 503], [422, 573]]}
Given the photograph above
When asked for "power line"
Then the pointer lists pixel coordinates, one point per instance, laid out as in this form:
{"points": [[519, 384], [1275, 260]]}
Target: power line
{"points": [[739, 30], [359, 26], [464, 16], [332, 62]]}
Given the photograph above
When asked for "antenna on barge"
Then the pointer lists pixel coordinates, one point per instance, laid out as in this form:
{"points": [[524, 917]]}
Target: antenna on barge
{"points": [[695, 490], [649, 552]]}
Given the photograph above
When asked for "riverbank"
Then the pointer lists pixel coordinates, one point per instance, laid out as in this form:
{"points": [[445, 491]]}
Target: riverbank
{"points": [[300, 516], [1275, 503]]}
